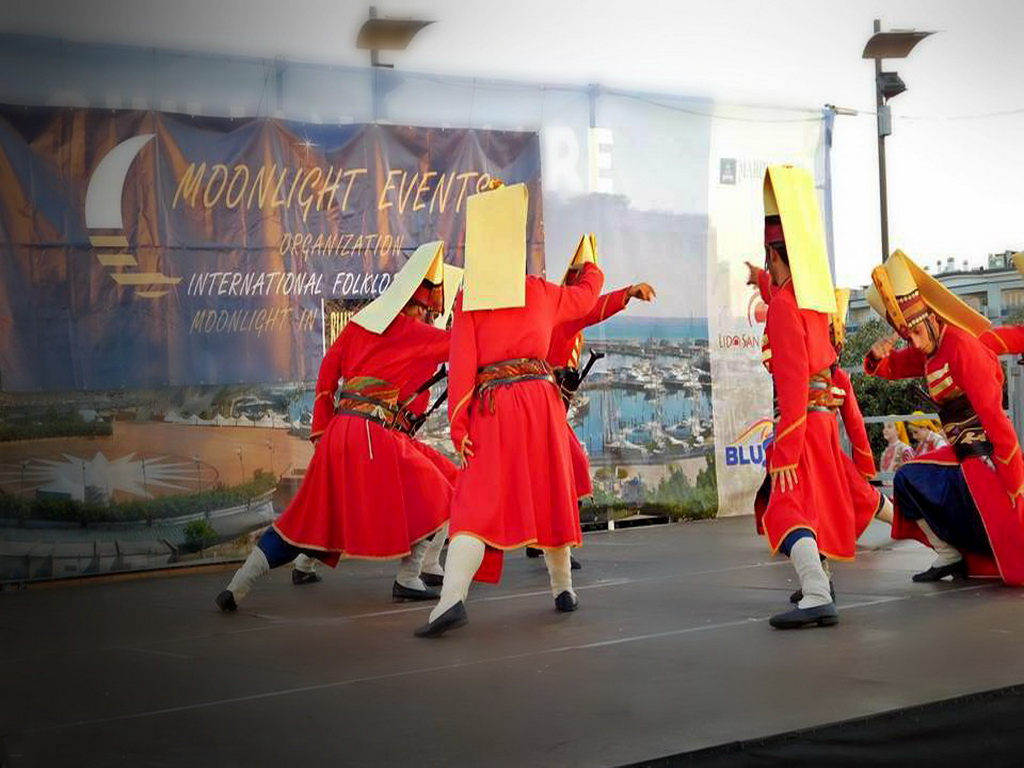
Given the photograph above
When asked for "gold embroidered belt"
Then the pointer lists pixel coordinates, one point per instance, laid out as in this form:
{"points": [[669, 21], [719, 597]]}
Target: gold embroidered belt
{"points": [[820, 395], [509, 372], [377, 401], [963, 428]]}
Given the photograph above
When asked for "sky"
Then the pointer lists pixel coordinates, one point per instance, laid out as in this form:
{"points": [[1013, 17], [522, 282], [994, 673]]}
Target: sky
{"points": [[955, 160]]}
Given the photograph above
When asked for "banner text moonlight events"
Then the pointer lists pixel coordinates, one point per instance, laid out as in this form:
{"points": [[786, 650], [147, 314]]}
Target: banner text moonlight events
{"points": [[319, 188]]}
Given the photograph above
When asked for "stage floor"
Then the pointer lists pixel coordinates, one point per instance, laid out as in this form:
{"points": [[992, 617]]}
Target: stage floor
{"points": [[670, 651]]}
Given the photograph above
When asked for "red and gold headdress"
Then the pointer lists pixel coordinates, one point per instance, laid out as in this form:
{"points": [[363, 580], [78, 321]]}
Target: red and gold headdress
{"points": [[904, 294]]}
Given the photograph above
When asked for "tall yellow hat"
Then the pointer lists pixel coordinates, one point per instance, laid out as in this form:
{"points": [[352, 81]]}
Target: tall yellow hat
{"points": [[789, 193], [452, 284], [586, 253], [908, 294], [1018, 261], [495, 275], [426, 261], [838, 320]]}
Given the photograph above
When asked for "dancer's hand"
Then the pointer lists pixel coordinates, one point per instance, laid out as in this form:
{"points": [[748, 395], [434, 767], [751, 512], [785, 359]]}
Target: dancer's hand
{"points": [[883, 347], [784, 480], [465, 452], [642, 291], [752, 273]]}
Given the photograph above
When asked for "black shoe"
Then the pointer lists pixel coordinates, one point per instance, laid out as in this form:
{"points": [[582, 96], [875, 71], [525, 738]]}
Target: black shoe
{"points": [[821, 615], [305, 577], [226, 601], [453, 618], [534, 552], [432, 579], [574, 564], [566, 602], [797, 596], [957, 570], [400, 594]]}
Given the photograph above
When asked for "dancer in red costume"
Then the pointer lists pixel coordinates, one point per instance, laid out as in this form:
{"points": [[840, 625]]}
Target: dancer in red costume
{"points": [[859, 468], [807, 510], [965, 500], [860, 465], [566, 349], [507, 420], [371, 490]]}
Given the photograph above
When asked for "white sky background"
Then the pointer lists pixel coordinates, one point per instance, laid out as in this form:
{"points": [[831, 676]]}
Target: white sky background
{"points": [[956, 186]]}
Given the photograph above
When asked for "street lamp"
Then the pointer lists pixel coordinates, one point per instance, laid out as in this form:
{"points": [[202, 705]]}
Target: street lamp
{"points": [[199, 479], [24, 466], [380, 34], [241, 463], [270, 447], [896, 44]]}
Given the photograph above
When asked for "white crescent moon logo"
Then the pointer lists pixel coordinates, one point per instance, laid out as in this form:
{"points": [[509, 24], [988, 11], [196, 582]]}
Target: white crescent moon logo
{"points": [[103, 198]]}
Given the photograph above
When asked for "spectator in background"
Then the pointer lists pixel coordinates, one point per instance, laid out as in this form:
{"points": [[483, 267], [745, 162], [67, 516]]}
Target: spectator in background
{"points": [[897, 450], [927, 434]]}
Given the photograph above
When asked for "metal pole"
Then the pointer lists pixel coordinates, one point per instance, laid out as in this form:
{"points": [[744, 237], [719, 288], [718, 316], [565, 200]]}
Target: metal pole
{"points": [[883, 200]]}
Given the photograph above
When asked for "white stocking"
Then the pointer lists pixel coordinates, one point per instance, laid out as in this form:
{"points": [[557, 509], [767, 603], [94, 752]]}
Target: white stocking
{"points": [[945, 554], [432, 558], [255, 565], [813, 581], [409, 569], [559, 570], [305, 563], [465, 553]]}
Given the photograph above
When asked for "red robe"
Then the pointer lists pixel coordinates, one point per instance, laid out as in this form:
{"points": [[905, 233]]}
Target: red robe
{"points": [[864, 498], [1004, 339], [797, 346], [962, 364], [861, 467], [563, 338], [370, 491], [518, 487]]}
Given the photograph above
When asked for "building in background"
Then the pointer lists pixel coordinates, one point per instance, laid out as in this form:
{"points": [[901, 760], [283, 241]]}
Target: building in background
{"points": [[995, 291]]}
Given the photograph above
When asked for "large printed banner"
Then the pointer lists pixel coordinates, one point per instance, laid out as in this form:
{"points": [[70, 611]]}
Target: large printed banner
{"points": [[169, 284], [743, 144], [143, 249]]}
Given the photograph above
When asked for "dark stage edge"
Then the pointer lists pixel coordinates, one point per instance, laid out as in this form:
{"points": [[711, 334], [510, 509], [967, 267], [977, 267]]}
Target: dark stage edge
{"points": [[670, 653], [979, 727]]}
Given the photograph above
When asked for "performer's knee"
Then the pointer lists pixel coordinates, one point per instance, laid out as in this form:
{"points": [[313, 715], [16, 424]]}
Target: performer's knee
{"points": [[277, 550], [903, 489], [793, 537]]}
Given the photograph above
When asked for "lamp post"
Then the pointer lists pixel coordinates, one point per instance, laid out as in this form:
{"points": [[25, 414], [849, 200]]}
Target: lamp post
{"points": [[241, 463], [270, 447], [896, 44], [24, 466], [382, 34], [199, 479]]}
